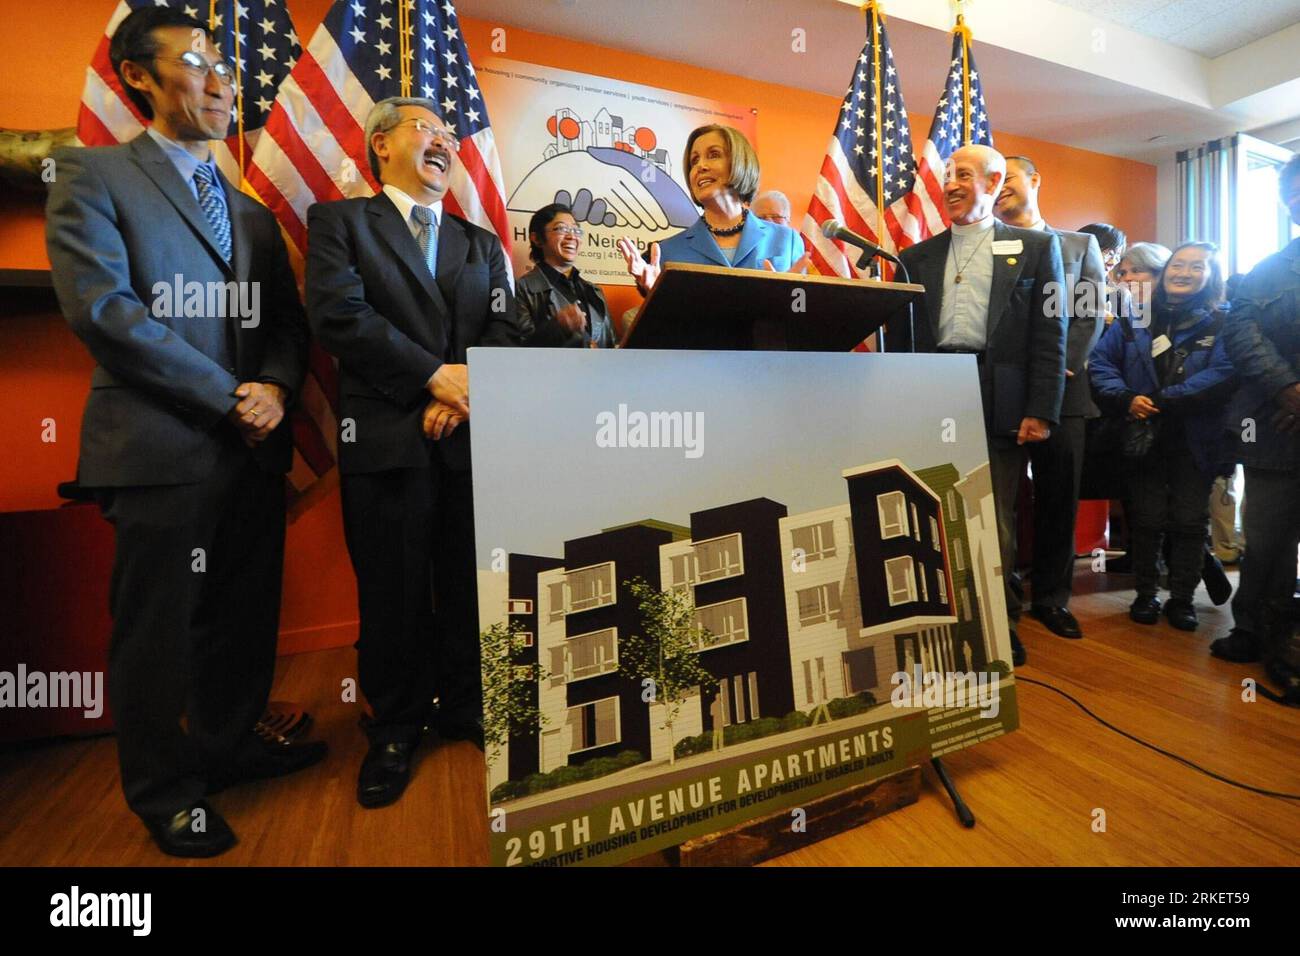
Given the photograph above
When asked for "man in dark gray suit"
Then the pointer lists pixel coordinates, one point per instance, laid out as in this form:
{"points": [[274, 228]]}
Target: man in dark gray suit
{"points": [[1057, 463], [987, 293], [400, 289], [180, 287]]}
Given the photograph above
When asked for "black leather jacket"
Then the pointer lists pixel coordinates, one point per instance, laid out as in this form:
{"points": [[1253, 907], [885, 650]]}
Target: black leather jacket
{"points": [[537, 301], [1262, 337]]}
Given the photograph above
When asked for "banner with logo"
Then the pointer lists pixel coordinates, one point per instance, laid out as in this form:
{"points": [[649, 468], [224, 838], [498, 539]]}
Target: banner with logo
{"points": [[731, 583], [611, 150]]}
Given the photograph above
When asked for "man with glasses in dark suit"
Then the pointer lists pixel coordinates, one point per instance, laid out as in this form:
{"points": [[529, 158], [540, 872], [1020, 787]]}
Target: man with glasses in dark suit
{"points": [[399, 290], [182, 440]]}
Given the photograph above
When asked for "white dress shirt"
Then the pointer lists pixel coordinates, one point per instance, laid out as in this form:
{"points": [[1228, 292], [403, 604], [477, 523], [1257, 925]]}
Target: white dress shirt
{"points": [[405, 204], [964, 312]]}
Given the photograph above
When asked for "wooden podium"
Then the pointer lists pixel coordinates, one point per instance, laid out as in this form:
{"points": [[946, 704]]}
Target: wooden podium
{"points": [[713, 307]]}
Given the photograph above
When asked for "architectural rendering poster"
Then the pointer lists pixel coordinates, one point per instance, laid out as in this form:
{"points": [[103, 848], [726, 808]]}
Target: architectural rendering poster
{"points": [[717, 585], [612, 150]]}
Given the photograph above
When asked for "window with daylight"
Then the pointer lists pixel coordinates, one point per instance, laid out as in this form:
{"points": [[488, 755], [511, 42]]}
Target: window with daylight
{"points": [[590, 587], [900, 580], [916, 524], [586, 655], [593, 725], [726, 623], [556, 598], [527, 638], [718, 558], [934, 534], [818, 604], [520, 606], [816, 540], [893, 514], [920, 576], [681, 571]]}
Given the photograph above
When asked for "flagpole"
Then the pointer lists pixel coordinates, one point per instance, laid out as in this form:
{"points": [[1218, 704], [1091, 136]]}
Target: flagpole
{"points": [[874, 8]]}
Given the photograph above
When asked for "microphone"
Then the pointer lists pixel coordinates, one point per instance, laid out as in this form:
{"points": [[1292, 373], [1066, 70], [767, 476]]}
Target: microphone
{"points": [[834, 229]]}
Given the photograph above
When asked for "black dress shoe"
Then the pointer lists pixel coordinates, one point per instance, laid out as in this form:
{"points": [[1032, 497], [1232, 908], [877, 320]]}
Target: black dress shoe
{"points": [[1146, 609], [1239, 647], [1017, 650], [462, 730], [1216, 581], [1059, 621], [196, 831], [1181, 614], [270, 760], [385, 771]]}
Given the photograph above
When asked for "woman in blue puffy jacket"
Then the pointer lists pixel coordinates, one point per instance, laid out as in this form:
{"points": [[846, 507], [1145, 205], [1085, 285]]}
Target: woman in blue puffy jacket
{"points": [[1168, 376]]}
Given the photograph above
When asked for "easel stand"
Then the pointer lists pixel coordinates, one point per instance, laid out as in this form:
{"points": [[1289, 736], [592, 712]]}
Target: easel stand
{"points": [[963, 812]]}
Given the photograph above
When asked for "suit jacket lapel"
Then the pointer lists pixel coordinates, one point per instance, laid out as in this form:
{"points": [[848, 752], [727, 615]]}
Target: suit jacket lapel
{"points": [[241, 231], [930, 275], [1006, 270], [453, 248], [701, 240], [163, 172], [397, 235], [754, 230]]}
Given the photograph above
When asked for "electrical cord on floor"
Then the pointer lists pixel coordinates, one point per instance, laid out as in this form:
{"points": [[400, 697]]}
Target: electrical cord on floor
{"points": [[1172, 756]]}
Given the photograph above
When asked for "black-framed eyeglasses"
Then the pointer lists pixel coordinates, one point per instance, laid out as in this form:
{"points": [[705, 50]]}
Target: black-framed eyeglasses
{"points": [[223, 68], [428, 129]]}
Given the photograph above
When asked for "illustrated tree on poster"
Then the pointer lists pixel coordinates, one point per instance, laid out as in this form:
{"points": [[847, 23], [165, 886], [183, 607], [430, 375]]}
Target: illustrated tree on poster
{"points": [[508, 708], [663, 657]]}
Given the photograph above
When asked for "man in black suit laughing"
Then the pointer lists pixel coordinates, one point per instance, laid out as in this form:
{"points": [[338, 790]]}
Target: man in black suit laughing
{"points": [[990, 291], [398, 290]]}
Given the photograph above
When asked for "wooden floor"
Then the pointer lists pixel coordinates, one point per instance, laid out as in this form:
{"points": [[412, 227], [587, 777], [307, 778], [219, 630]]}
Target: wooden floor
{"points": [[1035, 792]]}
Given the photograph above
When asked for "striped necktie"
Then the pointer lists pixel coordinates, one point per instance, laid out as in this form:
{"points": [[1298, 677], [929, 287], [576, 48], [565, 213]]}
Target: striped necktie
{"points": [[427, 237], [211, 202]]}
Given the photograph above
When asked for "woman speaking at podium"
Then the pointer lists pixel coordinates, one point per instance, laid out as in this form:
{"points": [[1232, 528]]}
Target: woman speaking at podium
{"points": [[722, 175]]}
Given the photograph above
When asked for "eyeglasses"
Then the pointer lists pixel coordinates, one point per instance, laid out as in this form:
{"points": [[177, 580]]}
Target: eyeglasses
{"points": [[225, 72], [439, 135], [574, 231]]}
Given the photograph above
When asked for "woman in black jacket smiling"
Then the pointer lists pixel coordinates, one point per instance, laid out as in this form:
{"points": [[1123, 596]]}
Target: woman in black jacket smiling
{"points": [[556, 306]]}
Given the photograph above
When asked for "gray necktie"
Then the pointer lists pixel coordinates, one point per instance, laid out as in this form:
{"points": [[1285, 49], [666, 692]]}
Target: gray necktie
{"points": [[427, 237]]}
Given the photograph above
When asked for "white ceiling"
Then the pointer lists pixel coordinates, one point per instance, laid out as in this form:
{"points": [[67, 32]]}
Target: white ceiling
{"points": [[1208, 27], [1044, 75]]}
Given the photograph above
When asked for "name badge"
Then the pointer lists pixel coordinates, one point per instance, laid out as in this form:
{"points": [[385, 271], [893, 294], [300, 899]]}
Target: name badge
{"points": [[1160, 344], [1007, 247]]}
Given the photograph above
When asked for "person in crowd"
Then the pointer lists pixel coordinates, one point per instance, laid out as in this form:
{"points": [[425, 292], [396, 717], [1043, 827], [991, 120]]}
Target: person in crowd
{"points": [[1057, 462], [772, 206], [722, 173], [988, 288], [184, 440], [1111, 240], [399, 289], [1137, 272], [1262, 336], [557, 307], [1169, 378]]}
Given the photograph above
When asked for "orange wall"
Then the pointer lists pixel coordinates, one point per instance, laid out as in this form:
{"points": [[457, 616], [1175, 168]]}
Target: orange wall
{"points": [[44, 370]]}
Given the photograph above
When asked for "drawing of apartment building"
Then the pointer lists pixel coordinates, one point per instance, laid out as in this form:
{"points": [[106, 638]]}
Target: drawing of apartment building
{"points": [[801, 610]]}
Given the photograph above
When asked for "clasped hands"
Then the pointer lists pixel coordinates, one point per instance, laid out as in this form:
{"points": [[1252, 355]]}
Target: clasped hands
{"points": [[450, 405], [259, 410]]}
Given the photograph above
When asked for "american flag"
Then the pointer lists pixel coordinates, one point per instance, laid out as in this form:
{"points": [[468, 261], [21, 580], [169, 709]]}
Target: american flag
{"points": [[863, 165], [267, 49], [315, 148], [952, 128]]}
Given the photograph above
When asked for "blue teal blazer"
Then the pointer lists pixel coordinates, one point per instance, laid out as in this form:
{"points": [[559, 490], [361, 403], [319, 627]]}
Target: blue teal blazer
{"points": [[759, 240]]}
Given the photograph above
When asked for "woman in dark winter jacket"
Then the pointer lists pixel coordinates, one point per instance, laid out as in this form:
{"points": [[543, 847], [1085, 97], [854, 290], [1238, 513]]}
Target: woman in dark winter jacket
{"points": [[1168, 374]]}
